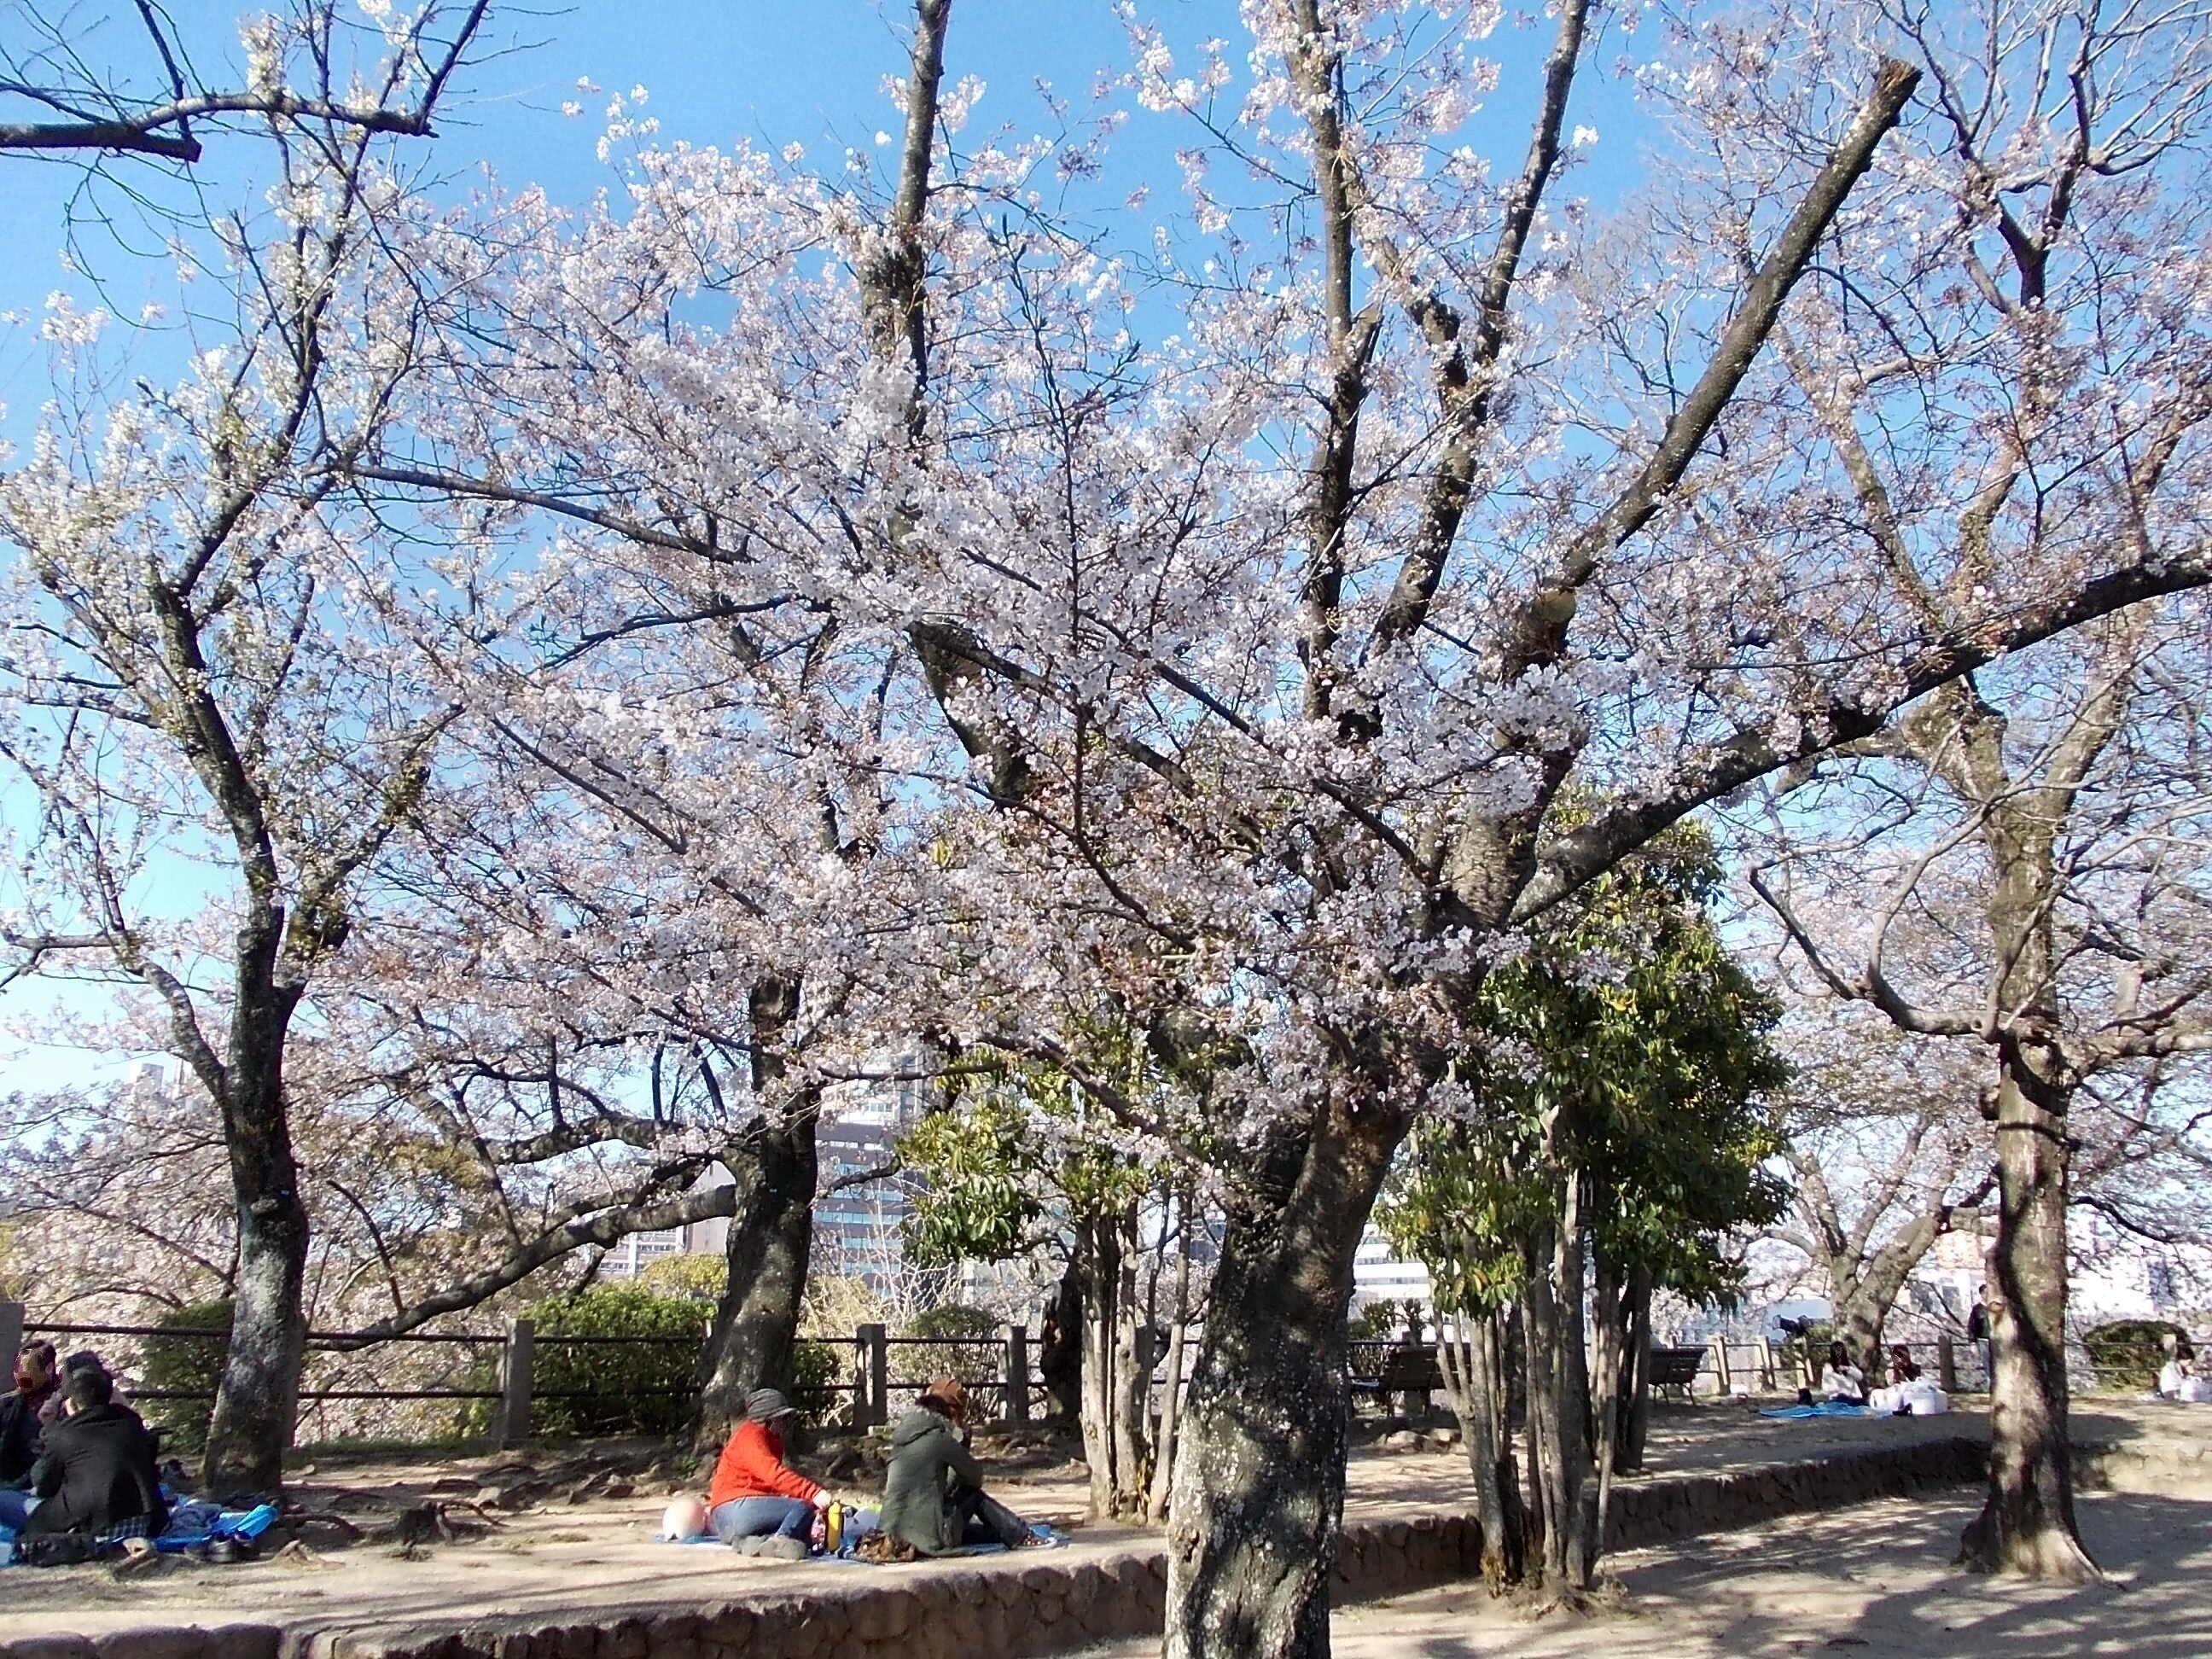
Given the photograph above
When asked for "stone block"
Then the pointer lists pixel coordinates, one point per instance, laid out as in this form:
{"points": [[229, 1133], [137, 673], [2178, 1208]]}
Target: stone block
{"points": [[188, 1642]]}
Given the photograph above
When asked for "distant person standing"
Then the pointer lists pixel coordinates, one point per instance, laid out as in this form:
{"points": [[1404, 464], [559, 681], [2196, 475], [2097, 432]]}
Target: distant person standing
{"points": [[1979, 1331]]}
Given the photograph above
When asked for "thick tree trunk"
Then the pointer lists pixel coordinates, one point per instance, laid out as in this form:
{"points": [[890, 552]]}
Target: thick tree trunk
{"points": [[1636, 1373], [2027, 1525], [1473, 1359], [771, 1236], [1258, 1483], [259, 1397], [1861, 1304], [765, 1259]]}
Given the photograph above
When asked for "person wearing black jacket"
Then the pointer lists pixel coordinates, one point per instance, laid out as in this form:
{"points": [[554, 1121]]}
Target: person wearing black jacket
{"points": [[20, 1412], [98, 1476]]}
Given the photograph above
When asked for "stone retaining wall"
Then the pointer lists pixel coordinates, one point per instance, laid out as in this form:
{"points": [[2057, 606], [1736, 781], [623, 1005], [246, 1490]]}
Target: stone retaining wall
{"points": [[1040, 1605]]}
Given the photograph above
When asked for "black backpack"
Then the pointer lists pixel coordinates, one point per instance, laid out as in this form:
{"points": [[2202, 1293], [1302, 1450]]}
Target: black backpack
{"points": [[58, 1549]]}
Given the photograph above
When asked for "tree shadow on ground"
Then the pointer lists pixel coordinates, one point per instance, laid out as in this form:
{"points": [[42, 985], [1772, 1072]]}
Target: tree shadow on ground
{"points": [[1872, 1582]]}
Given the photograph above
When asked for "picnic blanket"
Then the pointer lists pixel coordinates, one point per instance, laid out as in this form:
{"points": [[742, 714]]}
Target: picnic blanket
{"points": [[1046, 1538], [1825, 1408], [192, 1523]]}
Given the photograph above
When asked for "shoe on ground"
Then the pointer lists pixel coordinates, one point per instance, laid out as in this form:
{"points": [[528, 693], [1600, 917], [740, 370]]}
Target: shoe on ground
{"points": [[774, 1548]]}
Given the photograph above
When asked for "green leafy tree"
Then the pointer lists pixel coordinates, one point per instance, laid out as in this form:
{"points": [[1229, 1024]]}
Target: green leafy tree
{"points": [[1624, 1137], [1019, 1169]]}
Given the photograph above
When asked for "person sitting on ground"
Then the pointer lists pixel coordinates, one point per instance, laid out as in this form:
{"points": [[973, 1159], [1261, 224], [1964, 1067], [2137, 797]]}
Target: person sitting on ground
{"points": [[2180, 1363], [97, 1475], [1907, 1393], [934, 1496], [23, 1413], [757, 1501], [1843, 1382]]}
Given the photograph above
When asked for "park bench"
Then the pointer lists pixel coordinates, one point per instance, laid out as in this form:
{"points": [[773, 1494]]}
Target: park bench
{"points": [[1675, 1369], [1402, 1371]]}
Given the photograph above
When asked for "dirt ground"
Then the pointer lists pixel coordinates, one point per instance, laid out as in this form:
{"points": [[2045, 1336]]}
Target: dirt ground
{"points": [[552, 1531], [1871, 1582]]}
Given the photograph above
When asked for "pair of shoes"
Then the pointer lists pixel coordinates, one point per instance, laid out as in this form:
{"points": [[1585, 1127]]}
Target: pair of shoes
{"points": [[774, 1548]]}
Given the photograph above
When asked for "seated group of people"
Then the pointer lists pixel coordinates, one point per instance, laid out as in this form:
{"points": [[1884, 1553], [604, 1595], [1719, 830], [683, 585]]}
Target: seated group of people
{"points": [[934, 1499], [73, 1458], [2181, 1378], [1907, 1393]]}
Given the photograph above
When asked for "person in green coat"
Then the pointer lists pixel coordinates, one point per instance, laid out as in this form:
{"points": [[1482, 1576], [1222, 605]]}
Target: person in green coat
{"points": [[934, 1496]]}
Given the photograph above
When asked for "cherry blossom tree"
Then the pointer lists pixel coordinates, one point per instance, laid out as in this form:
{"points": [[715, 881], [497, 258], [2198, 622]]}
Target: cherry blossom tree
{"points": [[304, 73], [1224, 678], [223, 733], [2018, 382], [1885, 1141]]}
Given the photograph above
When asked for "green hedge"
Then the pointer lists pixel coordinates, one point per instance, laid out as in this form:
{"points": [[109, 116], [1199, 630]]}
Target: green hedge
{"points": [[621, 1383], [190, 1364], [2128, 1352]]}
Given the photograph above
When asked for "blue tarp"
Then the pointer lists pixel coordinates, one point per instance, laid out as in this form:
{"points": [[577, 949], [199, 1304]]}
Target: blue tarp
{"points": [[1825, 1408]]}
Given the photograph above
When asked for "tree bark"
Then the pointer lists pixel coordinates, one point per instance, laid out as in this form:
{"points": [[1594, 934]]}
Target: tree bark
{"points": [[1114, 1416], [1259, 1483], [2027, 1524], [1607, 1354], [258, 1396], [1060, 1359], [1473, 1360], [771, 1236], [1163, 1451], [1636, 1373], [765, 1257]]}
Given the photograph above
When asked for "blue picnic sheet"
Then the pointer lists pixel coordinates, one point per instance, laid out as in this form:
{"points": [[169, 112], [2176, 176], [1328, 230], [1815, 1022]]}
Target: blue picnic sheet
{"points": [[1046, 1538], [1825, 1408], [191, 1524]]}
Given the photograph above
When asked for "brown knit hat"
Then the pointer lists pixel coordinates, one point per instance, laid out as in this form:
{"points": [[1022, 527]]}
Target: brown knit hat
{"points": [[947, 1397]]}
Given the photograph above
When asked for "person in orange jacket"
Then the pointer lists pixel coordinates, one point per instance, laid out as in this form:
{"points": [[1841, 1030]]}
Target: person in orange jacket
{"points": [[757, 1502]]}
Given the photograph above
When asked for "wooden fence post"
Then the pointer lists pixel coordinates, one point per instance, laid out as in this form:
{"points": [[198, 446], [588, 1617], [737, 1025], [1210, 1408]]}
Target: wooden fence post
{"points": [[1721, 1366], [11, 1333], [1767, 1381], [1017, 1375], [1946, 1364], [875, 1378], [514, 1364]]}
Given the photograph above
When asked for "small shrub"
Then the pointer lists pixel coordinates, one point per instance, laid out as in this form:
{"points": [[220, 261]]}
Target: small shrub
{"points": [[629, 1388], [701, 1278], [185, 1364], [815, 1366], [2128, 1352], [955, 1323]]}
